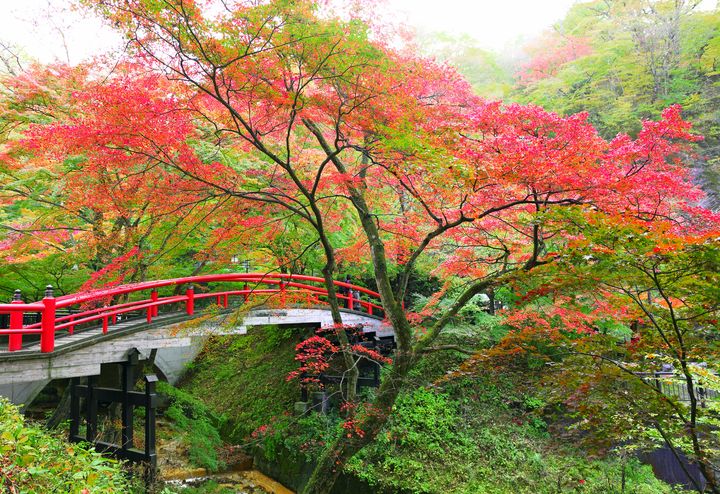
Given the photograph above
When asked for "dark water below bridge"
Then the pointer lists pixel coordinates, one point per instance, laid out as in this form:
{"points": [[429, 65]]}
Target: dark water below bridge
{"points": [[667, 468]]}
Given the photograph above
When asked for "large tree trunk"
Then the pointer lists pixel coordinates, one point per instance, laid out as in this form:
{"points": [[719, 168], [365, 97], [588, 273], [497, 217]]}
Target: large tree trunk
{"points": [[331, 462], [351, 370], [334, 458]]}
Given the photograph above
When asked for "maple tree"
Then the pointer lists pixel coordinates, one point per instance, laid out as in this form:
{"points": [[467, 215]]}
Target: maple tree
{"points": [[84, 173], [627, 320], [645, 55], [669, 282], [287, 111], [549, 54], [316, 353], [82, 191]]}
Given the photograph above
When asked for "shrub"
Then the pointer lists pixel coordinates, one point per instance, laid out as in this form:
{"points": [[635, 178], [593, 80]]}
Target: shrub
{"points": [[32, 460], [471, 437], [299, 438]]}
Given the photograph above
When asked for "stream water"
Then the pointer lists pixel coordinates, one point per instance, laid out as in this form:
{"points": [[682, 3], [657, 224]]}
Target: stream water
{"points": [[242, 482]]}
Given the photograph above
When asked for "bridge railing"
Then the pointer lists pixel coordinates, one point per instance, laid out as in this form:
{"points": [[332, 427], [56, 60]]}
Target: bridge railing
{"points": [[673, 384], [106, 306]]}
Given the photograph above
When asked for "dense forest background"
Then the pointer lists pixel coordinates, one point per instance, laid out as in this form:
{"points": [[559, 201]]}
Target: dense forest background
{"points": [[621, 62]]}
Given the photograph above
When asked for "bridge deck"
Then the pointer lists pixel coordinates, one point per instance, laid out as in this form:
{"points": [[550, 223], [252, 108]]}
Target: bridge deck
{"points": [[104, 306], [58, 354], [85, 337], [258, 317]]}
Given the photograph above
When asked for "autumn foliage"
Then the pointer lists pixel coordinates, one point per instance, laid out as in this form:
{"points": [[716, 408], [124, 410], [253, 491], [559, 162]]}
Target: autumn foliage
{"points": [[276, 127], [315, 354]]}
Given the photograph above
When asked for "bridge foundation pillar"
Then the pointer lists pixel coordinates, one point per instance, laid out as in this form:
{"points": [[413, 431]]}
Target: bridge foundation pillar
{"points": [[22, 393]]}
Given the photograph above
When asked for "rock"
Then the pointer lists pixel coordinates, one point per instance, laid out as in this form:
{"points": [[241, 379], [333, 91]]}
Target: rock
{"points": [[301, 407], [182, 473], [239, 461]]}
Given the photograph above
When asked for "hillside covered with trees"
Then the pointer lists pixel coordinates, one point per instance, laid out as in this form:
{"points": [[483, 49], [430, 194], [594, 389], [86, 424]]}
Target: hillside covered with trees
{"points": [[620, 62]]}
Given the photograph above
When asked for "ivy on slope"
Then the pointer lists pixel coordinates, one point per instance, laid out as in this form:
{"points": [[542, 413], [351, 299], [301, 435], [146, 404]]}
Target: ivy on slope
{"points": [[32, 460], [197, 425], [244, 378], [467, 438]]}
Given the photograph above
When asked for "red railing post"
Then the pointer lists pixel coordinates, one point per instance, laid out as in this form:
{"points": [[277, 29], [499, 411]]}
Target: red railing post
{"points": [[154, 298], [225, 302], [71, 329], [16, 322], [105, 325], [190, 304], [245, 294], [282, 293], [151, 309], [47, 324]]}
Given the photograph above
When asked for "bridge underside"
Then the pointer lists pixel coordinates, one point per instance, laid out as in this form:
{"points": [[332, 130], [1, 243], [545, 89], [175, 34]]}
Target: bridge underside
{"points": [[177, 338]]}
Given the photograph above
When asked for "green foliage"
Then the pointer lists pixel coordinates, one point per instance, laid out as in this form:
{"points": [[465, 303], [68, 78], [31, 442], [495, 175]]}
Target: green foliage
{"points": [[477, 436], [32, 277], [197, 424], [300, 439], [425, 422], [276, 335], [475, 320], [473, 325], [483, 69], [34, 461]]}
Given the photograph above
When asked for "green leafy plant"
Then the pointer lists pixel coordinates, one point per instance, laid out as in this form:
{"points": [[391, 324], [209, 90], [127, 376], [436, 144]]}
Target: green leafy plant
{"points": [[32, 460]]}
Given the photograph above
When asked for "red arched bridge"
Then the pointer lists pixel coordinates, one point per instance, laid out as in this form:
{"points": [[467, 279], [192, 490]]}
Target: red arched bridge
{"points": [[75, 335], [104, 308]]}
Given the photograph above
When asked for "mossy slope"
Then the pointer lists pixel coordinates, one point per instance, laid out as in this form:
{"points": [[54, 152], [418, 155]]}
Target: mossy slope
{"points": [[468, 435], [244, 378]]}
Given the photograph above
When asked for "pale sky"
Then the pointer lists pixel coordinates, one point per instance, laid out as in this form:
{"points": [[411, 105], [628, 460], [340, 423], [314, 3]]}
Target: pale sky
{"points": [[39, 26], [36, 25], [496, 24]]}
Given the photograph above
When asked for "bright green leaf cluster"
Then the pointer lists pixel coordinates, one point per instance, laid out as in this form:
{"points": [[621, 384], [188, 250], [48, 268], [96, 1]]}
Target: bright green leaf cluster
{"points": [[34, 461]]}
